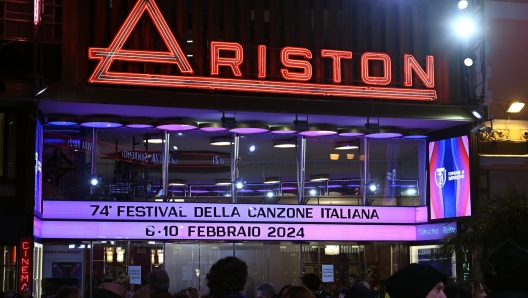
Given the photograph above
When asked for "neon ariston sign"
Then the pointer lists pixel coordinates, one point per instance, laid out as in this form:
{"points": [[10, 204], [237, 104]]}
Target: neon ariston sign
{"points": [[296, 71]]}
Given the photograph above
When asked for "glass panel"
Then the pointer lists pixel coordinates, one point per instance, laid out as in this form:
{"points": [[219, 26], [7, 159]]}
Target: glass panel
{"points": [[8, 267]]}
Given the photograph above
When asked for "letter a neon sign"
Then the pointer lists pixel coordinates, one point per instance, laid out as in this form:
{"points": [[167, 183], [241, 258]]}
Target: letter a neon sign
{"points": [[175, 55]]}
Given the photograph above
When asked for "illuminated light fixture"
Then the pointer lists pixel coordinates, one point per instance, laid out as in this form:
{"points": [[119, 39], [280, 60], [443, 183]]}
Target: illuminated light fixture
{"points": [[284, 129], [221, 141], [160, 256], [464, 27], [470, 60], [269, 194], [154, 141], [334, 156], [250, 128], [82, 246], [139, 124], [331, 250], [289, 143], [211, 127], [385, 133], [120, 254], [479, 114], [62, 120], [109, 251], [313, 192], [71, 246], [251, 148], [372, 187], [174, 54], [346, 145], [40, 90], [415, 134], [271, 180], [239, 184], [462, 4], [319, 130], [222, 182], [320, 177], [177, 125], [94, 181], [351, 132], [176, 182], [411, 191], [350, 155], [101, 122], [515, 107]]}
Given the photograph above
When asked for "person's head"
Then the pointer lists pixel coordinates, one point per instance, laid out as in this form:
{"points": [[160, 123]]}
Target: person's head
{"points": [[299, 292], [226, 277], [67, 292], [10, 294], [507, 268], [341, 292], [311, 281], [361, 292], [142, 293], [158, 281], [265, 291], [283, 290], [352, 279], [181, 294], [475, 287], [193, 292], [416, 281], [362, 283], [117, 281], [457, 290], [26, 292]]}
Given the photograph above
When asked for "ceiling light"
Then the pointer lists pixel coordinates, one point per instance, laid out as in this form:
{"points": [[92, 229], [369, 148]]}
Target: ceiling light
{"points": [[221, 141], [462, 4], [313, 192], [351, 132], [289, 143], [212, 127], [176, 182], [415, 134], [269, 194], [331, 250], [222, 182], [319, 177], [177, 125], [388, 132], [63, 120], [334, 156], [284, 129], [101, 122], [271, 180], [515, 107], [251, 149], [40, 90], [465, 27], [478, 114], [250, 128], [154, 140], [347, 145], [139, 123], [350, 155], [319, 130]]}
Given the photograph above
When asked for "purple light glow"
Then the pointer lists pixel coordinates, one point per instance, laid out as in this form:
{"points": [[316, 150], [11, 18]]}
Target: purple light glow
{"points": [[54, 141], [259, 231], [317, 133], [245, 190], [212, 129], [176, 127], [351, 134], [139, 126], [101, 124], [82, 210], [62, 123], [248, 130], [289, 188], [384, 135], [199, 191], [283, 130], [415, 137], [219, 191]]}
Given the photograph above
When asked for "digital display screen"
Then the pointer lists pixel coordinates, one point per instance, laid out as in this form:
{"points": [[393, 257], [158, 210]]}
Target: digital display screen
{"points": [[38, 168], [449, 181]]}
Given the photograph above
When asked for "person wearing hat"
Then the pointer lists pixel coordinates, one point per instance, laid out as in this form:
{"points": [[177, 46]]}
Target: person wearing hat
{"points": [[416, 281], [115, 284], [358, 291], [506, 274]]}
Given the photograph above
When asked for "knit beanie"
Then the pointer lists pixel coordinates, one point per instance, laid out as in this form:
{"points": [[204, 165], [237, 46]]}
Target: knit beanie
{"points": [[414, 281], [507, 268]]}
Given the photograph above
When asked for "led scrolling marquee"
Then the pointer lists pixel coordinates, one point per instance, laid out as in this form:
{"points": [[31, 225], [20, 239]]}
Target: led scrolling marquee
{"points": [[295, 81]]}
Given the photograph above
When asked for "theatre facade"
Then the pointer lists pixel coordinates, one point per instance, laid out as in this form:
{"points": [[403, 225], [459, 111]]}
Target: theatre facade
{"points": [[300, 136]]}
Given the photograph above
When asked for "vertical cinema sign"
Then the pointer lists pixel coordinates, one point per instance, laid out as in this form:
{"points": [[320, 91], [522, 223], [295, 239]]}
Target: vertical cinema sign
{"points": [[25, 264], [296, 71]]}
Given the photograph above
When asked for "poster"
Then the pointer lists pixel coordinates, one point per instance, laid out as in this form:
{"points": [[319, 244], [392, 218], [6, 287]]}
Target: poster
{"points": [[67, 270], [328, 273], [135, 275]]}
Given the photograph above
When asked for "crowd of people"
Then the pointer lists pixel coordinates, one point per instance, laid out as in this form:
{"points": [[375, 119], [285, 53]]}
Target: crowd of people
{"points": [[506, 276]]}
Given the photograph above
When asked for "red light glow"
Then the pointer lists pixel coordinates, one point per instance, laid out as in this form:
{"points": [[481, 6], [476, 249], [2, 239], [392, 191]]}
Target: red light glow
{"points": [[336, 61], [286, 52], [217, 61], [367, 79], [25, 263]]}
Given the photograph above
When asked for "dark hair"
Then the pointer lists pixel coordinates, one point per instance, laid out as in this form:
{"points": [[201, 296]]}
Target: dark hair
{"points": [[67, 292], [473, 285], [267, 290], [227, 276], [283, 290], [193, 292], [457, 290], [311, 281], [181, 295], [299, 292], [158, 280], [342, 291]]}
